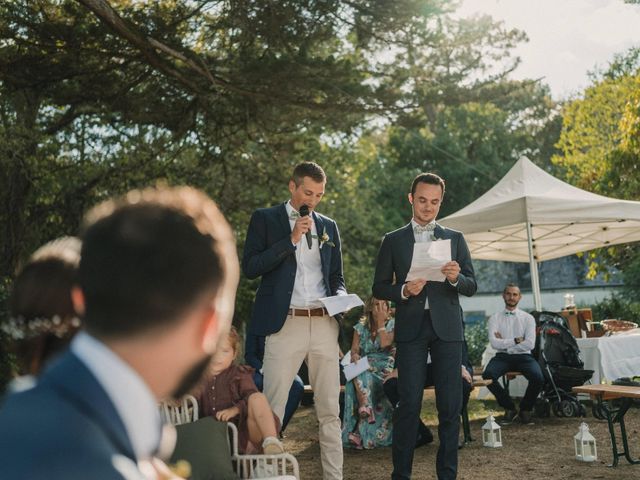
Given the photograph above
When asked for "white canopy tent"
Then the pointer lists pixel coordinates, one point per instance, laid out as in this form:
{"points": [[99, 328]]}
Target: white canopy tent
{"points": [[531, 216]]}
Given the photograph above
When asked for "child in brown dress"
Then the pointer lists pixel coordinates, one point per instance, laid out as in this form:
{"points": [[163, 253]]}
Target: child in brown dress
{"points": [[230, 395]]}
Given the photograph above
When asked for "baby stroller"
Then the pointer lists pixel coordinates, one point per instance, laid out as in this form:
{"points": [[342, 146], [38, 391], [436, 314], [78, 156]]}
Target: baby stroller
{"points": [[557, 353]]}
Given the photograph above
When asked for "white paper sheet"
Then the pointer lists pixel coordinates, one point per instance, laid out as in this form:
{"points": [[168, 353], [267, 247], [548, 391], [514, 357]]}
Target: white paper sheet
{"points": [[352, 370], [341, 303], [346, 359], [428, 259]]}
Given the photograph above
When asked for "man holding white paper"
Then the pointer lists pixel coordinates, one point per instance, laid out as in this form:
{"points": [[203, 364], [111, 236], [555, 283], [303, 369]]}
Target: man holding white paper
{"points": [[428, 320], [428, 260], [296, 253], [341, 303]]}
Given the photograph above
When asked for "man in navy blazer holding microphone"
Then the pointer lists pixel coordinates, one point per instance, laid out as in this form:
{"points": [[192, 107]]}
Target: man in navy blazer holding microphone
{"points": [[296, 252], [428, 320]]}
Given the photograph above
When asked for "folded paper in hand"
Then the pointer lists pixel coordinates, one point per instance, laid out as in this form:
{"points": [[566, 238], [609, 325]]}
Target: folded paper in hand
{"points": [[428, 259], [352, 370], [341, 303]]}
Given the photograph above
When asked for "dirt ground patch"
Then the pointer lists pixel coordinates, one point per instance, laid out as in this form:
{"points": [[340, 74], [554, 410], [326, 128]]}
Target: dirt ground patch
{"points": [[541, 451]]}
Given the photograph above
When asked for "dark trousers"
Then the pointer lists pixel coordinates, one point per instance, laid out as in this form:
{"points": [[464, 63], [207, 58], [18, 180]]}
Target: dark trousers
{"points": [[506, 362], [411, 360], [295, 395], [390, 388]]}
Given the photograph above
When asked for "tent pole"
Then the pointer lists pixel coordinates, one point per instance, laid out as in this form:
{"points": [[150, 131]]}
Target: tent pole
{"points": [[533, 266]]}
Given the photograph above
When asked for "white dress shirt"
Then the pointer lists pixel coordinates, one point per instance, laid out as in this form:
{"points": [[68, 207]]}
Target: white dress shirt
{"points": [[309, 285], [135, 403], [511, 325]]}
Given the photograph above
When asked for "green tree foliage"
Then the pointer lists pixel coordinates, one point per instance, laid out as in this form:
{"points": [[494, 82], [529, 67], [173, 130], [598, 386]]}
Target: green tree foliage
{"points": [[99, 97], [617, 306], [599, 151], [464, 118], [598, 142]]}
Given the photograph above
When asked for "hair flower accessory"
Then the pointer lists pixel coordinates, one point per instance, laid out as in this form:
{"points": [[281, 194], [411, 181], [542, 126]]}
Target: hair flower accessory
{"points": [[21, 329]]}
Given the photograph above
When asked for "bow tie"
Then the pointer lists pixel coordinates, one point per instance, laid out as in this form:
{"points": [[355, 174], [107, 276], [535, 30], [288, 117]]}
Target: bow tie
{"points": [[507, 312], [294, 215], [429, 227]]}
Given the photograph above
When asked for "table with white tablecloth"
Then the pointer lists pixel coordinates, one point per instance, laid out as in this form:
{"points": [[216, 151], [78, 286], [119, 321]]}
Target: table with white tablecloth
{"points": [[611, 357]]}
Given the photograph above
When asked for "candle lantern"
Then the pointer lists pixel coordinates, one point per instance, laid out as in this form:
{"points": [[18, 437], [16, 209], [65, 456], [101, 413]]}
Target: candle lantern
{"points": [[585, 445], [569, 300], [491, 433]]}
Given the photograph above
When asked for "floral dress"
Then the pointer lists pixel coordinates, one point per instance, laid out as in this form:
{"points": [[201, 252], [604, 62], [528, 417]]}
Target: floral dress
{"points": [[381, 361]]}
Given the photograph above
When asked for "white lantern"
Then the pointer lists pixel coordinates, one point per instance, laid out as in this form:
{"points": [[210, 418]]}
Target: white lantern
{"points": [[585, 445], [569, 300], [491, 433]]}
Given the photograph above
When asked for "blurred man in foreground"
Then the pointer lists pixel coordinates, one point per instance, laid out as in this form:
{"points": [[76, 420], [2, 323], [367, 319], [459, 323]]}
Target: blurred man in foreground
{"points": [[157, 281]]}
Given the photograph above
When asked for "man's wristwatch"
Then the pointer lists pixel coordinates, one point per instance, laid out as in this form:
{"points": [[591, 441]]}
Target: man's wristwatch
{"points": [[517, 340]]}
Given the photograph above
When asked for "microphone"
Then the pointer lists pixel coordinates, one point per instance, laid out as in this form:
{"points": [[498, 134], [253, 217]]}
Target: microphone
{"points": [[304, 211]]}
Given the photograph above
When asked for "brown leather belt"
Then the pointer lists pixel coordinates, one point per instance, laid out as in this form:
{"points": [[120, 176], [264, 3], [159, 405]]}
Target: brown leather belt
{"points": [[308, 312]]}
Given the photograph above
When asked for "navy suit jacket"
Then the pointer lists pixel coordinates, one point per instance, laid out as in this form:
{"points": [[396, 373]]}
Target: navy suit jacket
{"points": [[392, 266], [269, 253], [64, 428]]}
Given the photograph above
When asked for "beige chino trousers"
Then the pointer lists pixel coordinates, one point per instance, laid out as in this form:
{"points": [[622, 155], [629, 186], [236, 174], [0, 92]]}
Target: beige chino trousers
{"points": [[314, 339]]}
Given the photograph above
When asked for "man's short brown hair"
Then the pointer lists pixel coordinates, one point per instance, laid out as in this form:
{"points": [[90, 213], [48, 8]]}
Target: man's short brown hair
{"points": [[510, 285], [430, 178], [308, 169], [148, 256]]}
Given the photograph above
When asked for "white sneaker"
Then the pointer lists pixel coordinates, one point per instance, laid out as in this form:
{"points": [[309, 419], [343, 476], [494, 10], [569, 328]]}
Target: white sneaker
{"points": [[272, 446]]}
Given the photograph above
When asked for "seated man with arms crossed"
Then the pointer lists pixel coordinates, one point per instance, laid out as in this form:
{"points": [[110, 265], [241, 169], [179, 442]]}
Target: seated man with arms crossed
{"points": [[512, 333]]}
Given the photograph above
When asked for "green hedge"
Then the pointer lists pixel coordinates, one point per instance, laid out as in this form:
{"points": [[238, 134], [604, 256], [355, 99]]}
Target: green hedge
{"points": [[477, 339], [617, 306]]}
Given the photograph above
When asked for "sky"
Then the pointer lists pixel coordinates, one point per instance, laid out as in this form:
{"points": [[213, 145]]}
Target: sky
{"points": [[567, 38]]}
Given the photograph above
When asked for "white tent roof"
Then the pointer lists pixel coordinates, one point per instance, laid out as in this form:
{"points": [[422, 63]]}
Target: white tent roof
{"points": [[564, 219]]}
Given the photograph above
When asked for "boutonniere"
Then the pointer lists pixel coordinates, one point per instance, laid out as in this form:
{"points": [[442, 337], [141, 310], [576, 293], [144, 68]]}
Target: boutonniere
{"points": [[324, 238]]}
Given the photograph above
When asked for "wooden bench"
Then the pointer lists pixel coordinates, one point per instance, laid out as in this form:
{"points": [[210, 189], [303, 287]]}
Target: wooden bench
{"points": [[507, 377], [614, 414]]}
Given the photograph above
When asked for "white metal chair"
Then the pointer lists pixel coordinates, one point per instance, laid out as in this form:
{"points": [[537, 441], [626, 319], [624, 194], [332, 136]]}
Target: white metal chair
{"points": [[282, 466], [178, 413]]}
